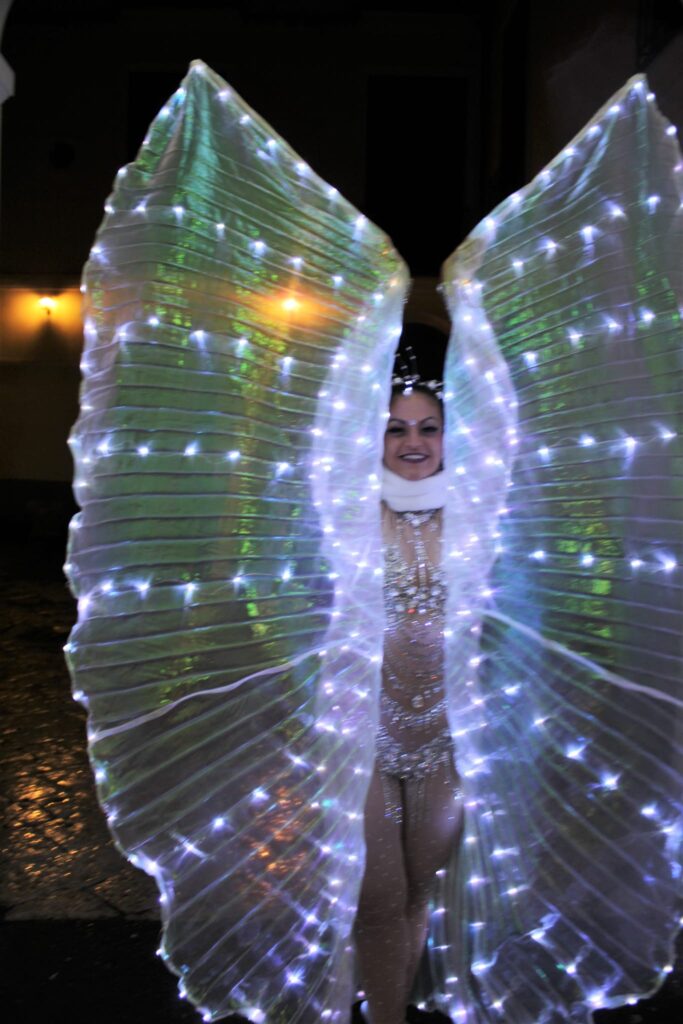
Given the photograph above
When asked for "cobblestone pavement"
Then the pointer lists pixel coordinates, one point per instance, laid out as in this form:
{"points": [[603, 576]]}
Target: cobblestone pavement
{"points": [[79, 924]]}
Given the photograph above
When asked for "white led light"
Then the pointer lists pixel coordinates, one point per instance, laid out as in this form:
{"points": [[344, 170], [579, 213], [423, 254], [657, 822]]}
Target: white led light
{"points": [[153, 321], [259, 247], [653, 202], [538, 555], [518, 264], [671, 130], [191, 449], [587, 559], [574, 752], [586, 441], [179, 211]]}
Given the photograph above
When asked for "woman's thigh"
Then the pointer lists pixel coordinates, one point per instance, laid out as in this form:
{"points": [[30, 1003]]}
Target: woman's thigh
{"points": [[433, 823], [384, 888]]}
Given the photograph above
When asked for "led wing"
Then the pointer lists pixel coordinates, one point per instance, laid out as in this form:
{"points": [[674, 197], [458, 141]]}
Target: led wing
{"points": [[240, 325], [566, 464]]}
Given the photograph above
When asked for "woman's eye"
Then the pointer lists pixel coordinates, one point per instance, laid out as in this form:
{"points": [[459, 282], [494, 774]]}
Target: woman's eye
{"points": [[431, 428], [395, 431]]}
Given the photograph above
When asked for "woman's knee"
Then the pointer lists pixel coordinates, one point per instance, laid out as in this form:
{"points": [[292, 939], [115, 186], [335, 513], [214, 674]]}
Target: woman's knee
{"points": [[382, 899]]}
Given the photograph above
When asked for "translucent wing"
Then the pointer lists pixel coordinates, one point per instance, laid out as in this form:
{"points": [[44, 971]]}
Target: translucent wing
{"points": [[240, 325], [567, 470]]}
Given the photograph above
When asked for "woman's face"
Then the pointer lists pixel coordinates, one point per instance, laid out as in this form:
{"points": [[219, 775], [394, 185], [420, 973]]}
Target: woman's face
{"points": [[413, 441]]}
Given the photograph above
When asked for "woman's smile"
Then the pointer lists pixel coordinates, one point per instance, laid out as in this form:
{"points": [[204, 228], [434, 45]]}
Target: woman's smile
{"points": [[413, 440]]}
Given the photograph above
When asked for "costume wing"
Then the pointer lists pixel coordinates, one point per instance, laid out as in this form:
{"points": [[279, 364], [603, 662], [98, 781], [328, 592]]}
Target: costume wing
{"points": [[567, 468], [241, 319]]}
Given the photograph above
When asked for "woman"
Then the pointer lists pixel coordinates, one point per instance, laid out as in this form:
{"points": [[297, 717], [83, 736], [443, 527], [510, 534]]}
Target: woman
{"points": [[413, 813]]}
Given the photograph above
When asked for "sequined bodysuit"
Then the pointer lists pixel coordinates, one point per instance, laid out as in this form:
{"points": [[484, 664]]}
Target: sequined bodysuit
{"points": [[413, 738]]}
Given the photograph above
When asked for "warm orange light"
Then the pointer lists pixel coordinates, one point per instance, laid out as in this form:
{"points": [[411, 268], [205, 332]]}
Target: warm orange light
{"points": [[291, 304], [47, 304]]}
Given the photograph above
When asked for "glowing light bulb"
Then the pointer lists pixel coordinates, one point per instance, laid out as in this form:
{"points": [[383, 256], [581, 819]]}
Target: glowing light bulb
{"points": [[587, 559], [259, 247], [653, 202], [586, 441], [191, 449]]}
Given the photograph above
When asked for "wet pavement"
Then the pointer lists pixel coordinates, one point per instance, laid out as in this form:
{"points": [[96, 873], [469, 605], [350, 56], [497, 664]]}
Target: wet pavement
{"points": [[79, 926]]}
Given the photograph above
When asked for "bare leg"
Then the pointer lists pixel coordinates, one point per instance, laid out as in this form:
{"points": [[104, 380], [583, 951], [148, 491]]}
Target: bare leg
{"points": [[433, 821], [401, 861], [381, 928]]}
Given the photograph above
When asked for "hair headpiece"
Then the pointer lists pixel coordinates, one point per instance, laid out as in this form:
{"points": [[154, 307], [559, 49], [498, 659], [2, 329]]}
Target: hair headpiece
{"points": [[406, 377]]}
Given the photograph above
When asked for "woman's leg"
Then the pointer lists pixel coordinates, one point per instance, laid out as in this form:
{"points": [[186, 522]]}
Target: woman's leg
{"points": [[381, 927], [433, 821]]}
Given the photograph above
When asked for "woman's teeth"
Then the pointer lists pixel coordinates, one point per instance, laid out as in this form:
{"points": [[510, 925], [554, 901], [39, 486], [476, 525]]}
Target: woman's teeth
{"points": [[414, 458]]}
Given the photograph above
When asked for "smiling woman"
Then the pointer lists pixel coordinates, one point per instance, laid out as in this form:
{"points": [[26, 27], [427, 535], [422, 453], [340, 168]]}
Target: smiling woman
{"points": [[413, 441], [413, 813]]}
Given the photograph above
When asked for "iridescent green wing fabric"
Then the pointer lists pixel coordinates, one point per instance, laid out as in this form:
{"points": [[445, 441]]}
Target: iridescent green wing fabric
{"points": [[240, 325], [565, 667]]}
